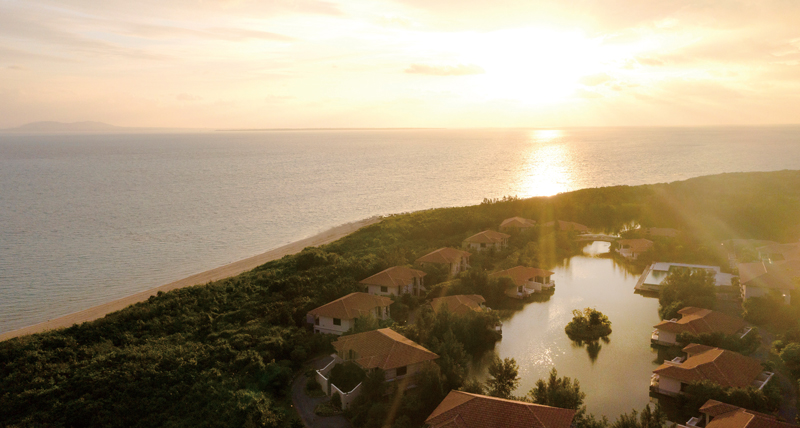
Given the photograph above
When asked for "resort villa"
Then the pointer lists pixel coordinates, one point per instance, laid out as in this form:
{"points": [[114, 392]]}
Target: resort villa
{"points": [[459, 304], [656, 273], [457, 260], [516, 224], [527, 280], [465, 410], [339, 315], [722, 415], [396, 281], [566, 226], [631, 248], [486, 240], [779, 252], [697, 321], [398, 357], [725, 368], [765, 277]]}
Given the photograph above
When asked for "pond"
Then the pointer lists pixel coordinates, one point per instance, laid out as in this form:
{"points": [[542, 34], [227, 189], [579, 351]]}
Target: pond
{"points": [[615, 377]]}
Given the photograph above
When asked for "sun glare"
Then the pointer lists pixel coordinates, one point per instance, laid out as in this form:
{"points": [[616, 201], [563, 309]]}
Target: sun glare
{"points": [[548, 168], [536, 66]]}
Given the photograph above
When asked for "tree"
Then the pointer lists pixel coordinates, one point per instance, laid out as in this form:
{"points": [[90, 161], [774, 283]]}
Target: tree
{"points": [[588, 325], [790, 355], [649, 418], [504, 379], [686, 287], [565, 393]]}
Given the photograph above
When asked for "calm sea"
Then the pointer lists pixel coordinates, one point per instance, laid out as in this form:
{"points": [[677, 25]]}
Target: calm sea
{"points": [[85, 219]]}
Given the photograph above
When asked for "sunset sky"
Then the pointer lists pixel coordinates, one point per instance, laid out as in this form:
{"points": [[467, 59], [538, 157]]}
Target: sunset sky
{"points": [[404, 63]]}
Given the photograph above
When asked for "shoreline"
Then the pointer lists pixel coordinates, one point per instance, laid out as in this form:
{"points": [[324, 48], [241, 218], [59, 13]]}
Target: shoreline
{"points": [[216, 274]]}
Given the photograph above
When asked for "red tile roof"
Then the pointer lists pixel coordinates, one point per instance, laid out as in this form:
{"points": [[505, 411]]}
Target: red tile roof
{"points": [[459, 304], [487, 237], [397, 276], [462, 409], [351, 306], [517, 222], [444, 255], [787, 251], [385, 349], [698, 320], [521, 274], [639, 245], [723, 367], [730, 416]]}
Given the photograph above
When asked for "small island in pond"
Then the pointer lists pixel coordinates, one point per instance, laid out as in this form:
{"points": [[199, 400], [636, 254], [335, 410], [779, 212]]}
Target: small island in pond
{"points": [[588, 325]]}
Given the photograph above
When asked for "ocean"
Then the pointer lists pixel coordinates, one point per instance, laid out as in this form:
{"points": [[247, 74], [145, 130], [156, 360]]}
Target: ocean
{"points": [[86, 219]]}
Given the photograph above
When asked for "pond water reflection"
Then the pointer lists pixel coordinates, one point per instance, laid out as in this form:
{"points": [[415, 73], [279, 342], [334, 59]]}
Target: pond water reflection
{"points": [[615, 375]]}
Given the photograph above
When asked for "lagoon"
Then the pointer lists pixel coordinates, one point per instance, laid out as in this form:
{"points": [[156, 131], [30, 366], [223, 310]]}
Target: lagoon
{"points": [[616, 377]]}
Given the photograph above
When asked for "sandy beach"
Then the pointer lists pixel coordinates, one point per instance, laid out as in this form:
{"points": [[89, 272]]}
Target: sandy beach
{"points": [[222, 272]]}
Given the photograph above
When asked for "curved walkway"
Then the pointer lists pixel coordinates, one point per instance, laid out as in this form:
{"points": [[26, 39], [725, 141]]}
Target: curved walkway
{"points": [[305, 405]]}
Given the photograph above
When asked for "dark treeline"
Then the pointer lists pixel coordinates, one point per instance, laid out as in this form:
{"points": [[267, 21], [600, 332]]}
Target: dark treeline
{"points": [[224, 353]]}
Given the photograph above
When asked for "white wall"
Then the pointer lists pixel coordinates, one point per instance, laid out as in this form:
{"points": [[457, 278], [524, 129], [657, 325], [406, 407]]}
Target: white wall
{"points": [[376, 290], [669, 386], [326, 326]]}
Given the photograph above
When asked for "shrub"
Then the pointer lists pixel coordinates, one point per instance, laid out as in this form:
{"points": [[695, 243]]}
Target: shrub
{"points": [[589, 325]]}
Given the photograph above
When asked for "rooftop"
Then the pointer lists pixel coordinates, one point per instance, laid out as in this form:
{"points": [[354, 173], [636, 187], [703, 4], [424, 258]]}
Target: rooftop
{"points": [[464, 410], [487, 237], [385, 349], [730, 416], [517, 222], [521, 274], [459, 304], [443, 255], [723, 367], [698, 320], [351, 306], [777, 275], [396, 276], [636, 245]]}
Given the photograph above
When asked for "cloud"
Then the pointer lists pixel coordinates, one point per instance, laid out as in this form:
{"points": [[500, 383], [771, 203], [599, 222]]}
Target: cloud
{"points": [[187, 97], [653, 62], [445, 70], [15, 67], [583, 93], [595, 79]]}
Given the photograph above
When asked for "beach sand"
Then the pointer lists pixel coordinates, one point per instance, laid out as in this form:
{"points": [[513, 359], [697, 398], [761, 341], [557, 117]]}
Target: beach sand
{"points": [[222, 272]]}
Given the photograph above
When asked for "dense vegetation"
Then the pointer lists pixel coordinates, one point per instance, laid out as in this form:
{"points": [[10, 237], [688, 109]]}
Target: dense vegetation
{"points": [[685, 287], [224, 353], [588, 325]]}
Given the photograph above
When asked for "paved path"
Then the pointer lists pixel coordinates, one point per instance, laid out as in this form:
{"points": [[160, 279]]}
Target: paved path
{"points": [[305, 405]]}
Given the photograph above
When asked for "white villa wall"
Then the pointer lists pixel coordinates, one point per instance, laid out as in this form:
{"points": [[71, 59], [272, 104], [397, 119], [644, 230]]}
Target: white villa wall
{"points": [[667, 337], [669, 386], [390, 290], [330, 389], [326, 325], [483, 247]]}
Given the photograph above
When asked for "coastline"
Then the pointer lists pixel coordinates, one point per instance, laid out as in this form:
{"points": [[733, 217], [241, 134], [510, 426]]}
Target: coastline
{"points": [[216, 274]]}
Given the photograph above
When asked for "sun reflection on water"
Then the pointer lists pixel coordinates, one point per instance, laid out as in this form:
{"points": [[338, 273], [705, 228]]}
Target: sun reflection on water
{"points": [[549, 166]]}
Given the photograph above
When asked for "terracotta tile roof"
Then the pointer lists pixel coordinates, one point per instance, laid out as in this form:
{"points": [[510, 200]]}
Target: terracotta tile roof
{"points": [[487, 237], [730, 416], [397, 276], [639, 245], [764, 274], [698, 320], [723, 367], [351, 306], [787, 251], [462, 409], [661, 231], [459, 304], [385, 349], [696, 348], [517, 222], [443, 255], [521, 274]]}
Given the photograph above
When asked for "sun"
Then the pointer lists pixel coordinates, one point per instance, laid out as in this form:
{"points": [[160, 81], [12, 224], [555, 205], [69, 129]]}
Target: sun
{"points": [[533, 65]]}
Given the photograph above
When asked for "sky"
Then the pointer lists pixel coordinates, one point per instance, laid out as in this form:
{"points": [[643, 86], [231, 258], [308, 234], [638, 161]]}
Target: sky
{"points": [[402, 63]]}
